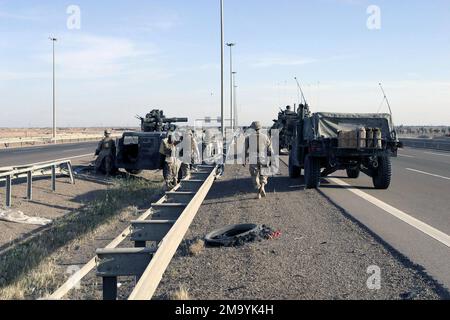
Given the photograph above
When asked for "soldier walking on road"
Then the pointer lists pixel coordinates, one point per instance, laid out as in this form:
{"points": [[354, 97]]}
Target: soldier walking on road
{"points": [[191, 156], [171, 167], [106, 155], [258, 150]]}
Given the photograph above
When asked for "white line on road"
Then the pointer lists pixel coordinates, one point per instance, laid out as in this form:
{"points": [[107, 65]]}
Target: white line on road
{"points": [[438, 154], [428, 174], [419, 225], [406, 156]]}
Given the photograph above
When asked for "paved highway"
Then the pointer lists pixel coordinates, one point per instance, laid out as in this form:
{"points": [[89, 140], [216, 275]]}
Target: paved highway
{"points": [[17, 157], [413, 216]]}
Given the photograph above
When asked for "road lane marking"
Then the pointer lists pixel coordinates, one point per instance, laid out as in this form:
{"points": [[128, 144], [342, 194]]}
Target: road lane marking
{"points": [[417, 224], [406, 156], [438, 154], [428, 174]]}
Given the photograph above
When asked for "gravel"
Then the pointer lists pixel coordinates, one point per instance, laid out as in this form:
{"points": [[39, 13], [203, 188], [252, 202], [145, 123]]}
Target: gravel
{"points": [[321, 253]]}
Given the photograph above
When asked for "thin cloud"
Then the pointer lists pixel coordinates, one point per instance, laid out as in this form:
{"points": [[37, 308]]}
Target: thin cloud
{"points": [[282, 61], [22, 17], [88, 56]]}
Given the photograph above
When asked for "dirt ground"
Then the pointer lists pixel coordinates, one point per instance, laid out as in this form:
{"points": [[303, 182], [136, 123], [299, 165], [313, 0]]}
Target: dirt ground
{"points": [[22, 133], [322, 253], [46, 203], [35, 261]]}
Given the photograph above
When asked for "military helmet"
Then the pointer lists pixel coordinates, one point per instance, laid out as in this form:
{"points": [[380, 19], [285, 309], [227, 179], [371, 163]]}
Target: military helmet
{"points": [[256, 125], [107, 132]]}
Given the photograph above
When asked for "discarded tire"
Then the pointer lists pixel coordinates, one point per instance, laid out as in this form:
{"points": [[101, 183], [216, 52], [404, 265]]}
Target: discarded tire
{"points": [[233, 235]]}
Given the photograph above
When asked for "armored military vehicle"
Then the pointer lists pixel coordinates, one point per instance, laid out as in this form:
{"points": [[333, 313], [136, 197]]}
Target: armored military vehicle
{"points": [[137, 151], [285, 124], [324, 143]]}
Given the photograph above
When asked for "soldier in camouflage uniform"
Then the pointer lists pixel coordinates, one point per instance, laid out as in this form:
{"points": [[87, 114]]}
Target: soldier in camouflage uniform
{"points": [[106, 155], [258, 150], [171, 163], [191, 156]]}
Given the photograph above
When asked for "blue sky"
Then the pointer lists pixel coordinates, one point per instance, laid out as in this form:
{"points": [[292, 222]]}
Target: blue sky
{"points": [[131, 56]]}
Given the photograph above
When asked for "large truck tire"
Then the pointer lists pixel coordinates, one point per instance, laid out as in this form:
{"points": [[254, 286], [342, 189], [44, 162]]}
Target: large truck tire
{"points": [[383, 174], [353, 173], [294, 171], [312, 172]]}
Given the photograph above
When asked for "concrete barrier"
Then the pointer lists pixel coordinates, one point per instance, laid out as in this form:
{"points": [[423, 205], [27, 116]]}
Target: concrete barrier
{"points": [[436, 144], [13, 144]]}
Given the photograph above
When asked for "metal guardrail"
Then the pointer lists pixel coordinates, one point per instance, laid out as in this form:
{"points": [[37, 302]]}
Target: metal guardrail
{"points": [[164, 224], [426, 144], [28, 171]]}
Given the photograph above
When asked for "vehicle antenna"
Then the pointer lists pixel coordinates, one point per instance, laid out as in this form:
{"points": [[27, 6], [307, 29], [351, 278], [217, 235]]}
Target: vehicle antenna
{"points": [[386, 98], [301, 91]]}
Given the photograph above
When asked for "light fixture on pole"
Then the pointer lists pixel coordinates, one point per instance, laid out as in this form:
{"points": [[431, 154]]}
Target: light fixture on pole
{"points": [[53, 40], [231, 45]]}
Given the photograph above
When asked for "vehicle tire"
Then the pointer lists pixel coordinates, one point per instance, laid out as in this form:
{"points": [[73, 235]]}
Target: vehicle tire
{"points": [[353, 173], [231, 235], [312, 172], [294, 171], [134, 172], [383, 174]]}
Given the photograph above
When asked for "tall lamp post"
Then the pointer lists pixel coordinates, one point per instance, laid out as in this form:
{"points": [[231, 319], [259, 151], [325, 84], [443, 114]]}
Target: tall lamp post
{"points": [[222, 53], [235, 119], [53, 40], [231, 45]]}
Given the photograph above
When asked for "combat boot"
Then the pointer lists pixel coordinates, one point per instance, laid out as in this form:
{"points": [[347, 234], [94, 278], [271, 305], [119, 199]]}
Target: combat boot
{"points": [[263, 191]]}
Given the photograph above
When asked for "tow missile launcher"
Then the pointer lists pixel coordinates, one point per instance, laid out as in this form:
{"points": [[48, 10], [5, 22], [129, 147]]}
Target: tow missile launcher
{"points": [[156, 121]]}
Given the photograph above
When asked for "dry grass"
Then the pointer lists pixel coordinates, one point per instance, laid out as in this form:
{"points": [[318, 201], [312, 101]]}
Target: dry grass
{"points": [[30, 269], [197, 247], [181, 294]]}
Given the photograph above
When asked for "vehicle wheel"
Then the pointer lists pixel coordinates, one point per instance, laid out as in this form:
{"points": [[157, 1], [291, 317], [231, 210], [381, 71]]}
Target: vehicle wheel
{"points": [[134, 172], [294, 171], [230, 236], [353, 173], [383, 174], [312, 172]]}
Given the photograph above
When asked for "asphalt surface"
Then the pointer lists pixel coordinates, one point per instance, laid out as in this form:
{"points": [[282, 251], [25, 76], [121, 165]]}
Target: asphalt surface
{"points": [[321, 254], [420, 189], [25, 156]]}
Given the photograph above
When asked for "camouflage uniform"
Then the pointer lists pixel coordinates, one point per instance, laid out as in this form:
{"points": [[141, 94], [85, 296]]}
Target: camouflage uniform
{"points": [[170, 171], [191, 157], [106, 152], [258, 150]]}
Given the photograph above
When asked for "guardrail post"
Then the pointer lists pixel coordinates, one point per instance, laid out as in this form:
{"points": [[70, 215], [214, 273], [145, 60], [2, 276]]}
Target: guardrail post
{"points": [[69, 167], [53, 178], [29, 185], [8, 191], [110, 288]]}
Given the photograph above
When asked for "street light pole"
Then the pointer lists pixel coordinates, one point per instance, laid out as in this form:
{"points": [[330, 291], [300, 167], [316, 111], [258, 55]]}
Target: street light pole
{"points": [[54, 94], [231, 45], [222, 54], [235, 119]]}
